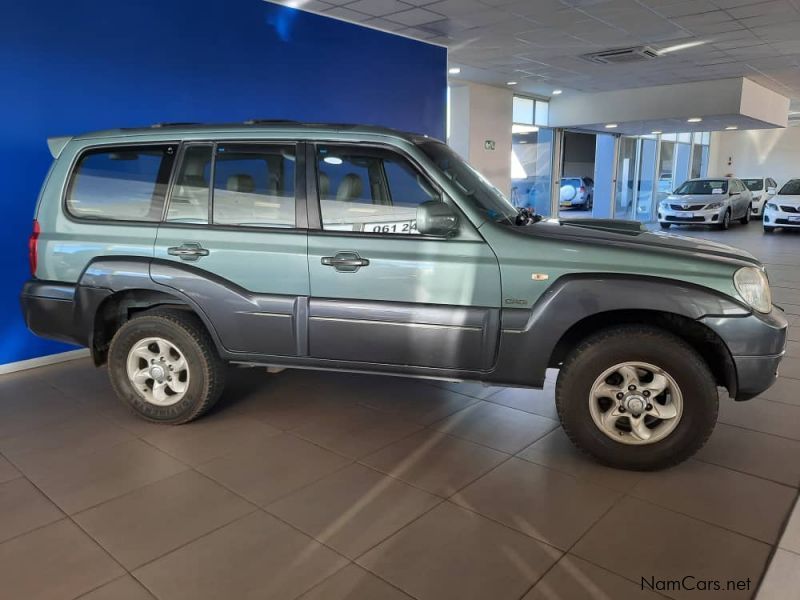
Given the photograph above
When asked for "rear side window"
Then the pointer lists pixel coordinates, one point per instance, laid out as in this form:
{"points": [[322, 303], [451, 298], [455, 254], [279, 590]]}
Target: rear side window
{"points": [[121, 183]]}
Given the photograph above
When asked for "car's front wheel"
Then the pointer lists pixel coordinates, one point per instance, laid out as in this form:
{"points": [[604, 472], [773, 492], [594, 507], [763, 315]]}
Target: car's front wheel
{"points": [[768, 229], [163, 364], [665, 225], [746, 218], [725, 224], [637, 397]]}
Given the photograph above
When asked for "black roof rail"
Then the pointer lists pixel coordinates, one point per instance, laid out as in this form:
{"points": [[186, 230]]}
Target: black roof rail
{"points": [[268, 121], [175, 124]]}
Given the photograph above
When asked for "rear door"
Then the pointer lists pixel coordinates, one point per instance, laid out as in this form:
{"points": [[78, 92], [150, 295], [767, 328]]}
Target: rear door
{"points": [[381, 293], [232, 241]]}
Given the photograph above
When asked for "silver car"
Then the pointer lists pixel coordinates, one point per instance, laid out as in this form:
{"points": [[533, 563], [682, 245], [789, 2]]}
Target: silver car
{"points": [[714, 201]]}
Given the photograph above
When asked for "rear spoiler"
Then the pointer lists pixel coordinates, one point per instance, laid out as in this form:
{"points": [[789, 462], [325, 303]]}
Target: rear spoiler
{"points": [[56, 144]]}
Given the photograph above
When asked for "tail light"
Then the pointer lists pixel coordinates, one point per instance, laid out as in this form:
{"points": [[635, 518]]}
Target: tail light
{"points": [[33, 247], [583, 189]]}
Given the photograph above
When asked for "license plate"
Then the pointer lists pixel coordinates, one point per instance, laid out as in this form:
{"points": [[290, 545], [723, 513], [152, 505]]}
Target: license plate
{"points": [[684, 215], [566, 204], [794, 219], [409, 227]]}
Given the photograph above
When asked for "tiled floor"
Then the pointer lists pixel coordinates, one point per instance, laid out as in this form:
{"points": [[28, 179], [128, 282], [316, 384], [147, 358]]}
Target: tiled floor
{"points": [[331, 486]]}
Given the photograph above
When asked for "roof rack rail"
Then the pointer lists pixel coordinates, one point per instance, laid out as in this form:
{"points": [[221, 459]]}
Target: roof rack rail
{"points": [[267, 121], [175, 124]]}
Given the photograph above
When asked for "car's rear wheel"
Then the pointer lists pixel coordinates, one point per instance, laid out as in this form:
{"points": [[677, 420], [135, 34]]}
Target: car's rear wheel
{"points": [[164, 365], [725, 224], [746, 218], [665, 225], [637, 398]]}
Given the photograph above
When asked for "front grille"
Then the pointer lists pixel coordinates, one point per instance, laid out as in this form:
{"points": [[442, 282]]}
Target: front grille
{"points": [[790, 209], [685, 219], [687, 207], [786, 222]]}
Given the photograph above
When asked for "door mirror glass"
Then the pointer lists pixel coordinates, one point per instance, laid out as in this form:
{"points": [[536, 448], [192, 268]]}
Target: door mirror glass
{"points": [[436, 218]]}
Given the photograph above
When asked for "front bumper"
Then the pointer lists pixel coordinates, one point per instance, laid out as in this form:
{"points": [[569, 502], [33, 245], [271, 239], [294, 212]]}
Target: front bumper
{"points": [[778, 218], [757, 345], [699, 217]]}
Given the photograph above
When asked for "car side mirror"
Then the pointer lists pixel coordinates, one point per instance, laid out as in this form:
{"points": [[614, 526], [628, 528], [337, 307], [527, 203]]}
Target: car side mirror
{"points": [[772, 191], [436, 218]]}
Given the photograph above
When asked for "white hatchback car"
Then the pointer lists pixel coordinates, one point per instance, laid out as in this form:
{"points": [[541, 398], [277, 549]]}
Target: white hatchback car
{"points": [[763, 189], [783, 209]]}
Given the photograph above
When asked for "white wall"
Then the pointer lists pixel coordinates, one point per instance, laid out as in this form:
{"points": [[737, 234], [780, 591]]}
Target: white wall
{"points": [[756, 153], [479, 113]]}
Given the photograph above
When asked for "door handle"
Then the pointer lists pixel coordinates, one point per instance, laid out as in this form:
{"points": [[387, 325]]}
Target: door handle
{"points": [[188, 251], [345, 262]]}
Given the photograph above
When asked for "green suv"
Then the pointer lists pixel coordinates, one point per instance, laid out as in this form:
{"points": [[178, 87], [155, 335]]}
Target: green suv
{"points": [[177, 250]]}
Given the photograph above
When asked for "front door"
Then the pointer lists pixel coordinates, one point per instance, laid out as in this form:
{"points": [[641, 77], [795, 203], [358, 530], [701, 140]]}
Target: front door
{"points": [[232, 242], [381, 293]]}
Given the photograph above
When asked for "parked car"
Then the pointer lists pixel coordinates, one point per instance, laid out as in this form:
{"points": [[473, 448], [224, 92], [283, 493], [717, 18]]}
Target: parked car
{"points": [[707, 201], [783, 209], [174, 252], [763, 189], [577, 192]]}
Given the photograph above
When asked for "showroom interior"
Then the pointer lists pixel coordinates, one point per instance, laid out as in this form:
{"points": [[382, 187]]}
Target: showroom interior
{"points": [[584, 118]]}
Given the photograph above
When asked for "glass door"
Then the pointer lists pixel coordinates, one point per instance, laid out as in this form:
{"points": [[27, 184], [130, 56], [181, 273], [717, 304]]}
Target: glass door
{"points": [[645, 185], [626, 177]]}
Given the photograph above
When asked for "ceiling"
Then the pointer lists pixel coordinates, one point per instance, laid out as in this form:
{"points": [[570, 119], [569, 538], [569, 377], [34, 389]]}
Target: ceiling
{"points": [[539, 43]]}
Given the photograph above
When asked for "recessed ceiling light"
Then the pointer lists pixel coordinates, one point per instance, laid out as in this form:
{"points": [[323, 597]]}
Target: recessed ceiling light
{"points": [[694, 120], [656, 132], [611, 126], [454, 70], [731, 127], [557, 92], [511, 83]]}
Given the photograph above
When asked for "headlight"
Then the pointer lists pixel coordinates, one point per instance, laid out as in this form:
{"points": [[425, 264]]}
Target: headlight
{"points": [[753, 287], [772, 206], [664, 205], [714, 205]]}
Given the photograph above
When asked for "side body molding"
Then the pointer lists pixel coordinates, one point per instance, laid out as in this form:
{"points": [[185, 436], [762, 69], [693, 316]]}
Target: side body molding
{"points": [[529, 337]]}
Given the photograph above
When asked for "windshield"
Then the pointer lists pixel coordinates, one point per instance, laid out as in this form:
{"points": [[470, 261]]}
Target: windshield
{"points": [[703, 186], [791, 188], [472, 184], [754, 185]]}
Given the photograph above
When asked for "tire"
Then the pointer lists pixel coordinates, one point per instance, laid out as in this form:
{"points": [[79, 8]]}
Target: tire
{"points": [[726, 221], [769, 229], [590, 202], [746, 218], [696, 398], [665, 225], [190, 391]]}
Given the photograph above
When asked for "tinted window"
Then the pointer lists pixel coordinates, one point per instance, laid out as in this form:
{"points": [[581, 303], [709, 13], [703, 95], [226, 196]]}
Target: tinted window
{"points": [[791, 188], [369, 190], [189, 200], [121, 184], [254, 185], [754, 185], [703, 186]]}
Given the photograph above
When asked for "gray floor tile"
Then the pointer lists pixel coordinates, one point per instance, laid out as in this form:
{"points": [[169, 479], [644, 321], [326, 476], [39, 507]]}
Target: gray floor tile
{"points": [[274, 468], [573, 578], [782, 579], [468, 388], [54, 562], [784, 390], [210, 437], [354, 583], [499, 427], [124, 588], [637, 539], [76, 483], [790, 539], [355, 430], [254, 558], [454, 553], [556, 450], [157, 518], [790, 368], [539, 402], [753, 452], [28, 407], [353, 509], [733, 500], [435, 461], [23, 508], [546, 504], [412, 400], [762, 415], [8, 471]]}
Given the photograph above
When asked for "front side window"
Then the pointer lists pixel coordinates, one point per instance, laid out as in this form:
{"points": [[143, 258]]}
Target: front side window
{"points": [[121, 183], [703, 186], [254, 185], [369, 190]]}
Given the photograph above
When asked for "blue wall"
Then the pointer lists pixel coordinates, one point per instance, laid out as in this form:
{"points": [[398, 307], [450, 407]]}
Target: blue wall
{"points": [[68, 67]]}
